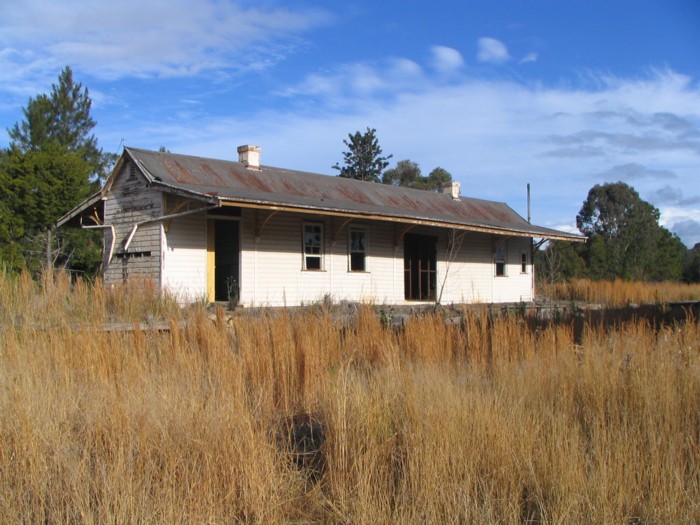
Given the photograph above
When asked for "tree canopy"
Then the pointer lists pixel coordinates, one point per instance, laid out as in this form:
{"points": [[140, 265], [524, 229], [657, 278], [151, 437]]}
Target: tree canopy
{"points": [[625, 240], [559, 261], [691, 265], [407, 173], [61, 118], [363, 160], [52, 164], [437, 179]]}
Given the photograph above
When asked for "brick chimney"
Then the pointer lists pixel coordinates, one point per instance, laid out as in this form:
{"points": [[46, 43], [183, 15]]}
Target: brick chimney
{"points": [[452, 188], [249, 156]]}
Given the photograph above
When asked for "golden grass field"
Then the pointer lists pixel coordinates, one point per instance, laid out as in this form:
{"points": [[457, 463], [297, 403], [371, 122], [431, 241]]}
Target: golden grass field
{"points": [[487, 421], [621, 293]]}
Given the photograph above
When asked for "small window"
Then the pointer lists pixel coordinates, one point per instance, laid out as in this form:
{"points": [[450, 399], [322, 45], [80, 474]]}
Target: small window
{"points": [[132, 171], [132, 255], [500, 259], [357, 250], [313, 246], [523, 262]]}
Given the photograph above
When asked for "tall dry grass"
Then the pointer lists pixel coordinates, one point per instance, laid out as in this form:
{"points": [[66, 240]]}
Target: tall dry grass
{"points": [[490, 421], [619, 293]]}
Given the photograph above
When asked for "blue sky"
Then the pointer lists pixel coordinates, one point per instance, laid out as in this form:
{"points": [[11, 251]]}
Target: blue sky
{"points": [[559, 94]]}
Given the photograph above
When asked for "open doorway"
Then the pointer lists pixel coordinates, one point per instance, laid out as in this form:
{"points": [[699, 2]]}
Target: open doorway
{"points": [[225, 241], [420, 276]]}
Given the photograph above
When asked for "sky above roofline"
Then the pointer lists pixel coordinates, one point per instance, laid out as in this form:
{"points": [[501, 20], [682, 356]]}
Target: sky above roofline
{"points": [[561, 95]]}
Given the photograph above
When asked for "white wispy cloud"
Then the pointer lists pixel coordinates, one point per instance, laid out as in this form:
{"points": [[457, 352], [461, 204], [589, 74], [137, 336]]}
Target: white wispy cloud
{"points": [[346, 82], [683, 221], [491, 50], [133, 38], [446, 59], [493, 136], [530, 57]]}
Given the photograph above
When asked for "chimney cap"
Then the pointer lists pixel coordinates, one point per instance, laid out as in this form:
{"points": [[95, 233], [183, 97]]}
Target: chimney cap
{"points": [[249, 155], [453, 188]]}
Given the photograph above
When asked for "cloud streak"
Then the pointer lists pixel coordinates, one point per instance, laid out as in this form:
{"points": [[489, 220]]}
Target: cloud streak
{"points": [[132, 38], [632, 172], [530, 57]]}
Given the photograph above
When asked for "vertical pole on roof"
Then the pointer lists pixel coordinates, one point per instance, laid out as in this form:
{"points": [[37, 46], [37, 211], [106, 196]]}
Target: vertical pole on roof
{"points": [[528, 202], [532, 252]]}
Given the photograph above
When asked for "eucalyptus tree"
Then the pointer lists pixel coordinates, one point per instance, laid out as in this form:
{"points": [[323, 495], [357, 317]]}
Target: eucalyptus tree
{"points": [[625, 239]]}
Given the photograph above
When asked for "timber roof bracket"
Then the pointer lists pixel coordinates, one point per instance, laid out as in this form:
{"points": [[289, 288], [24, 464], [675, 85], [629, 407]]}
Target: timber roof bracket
{"points": [[400, 235], [94, 216], [176, 209], [336, 231], [260, 223], [536, 246]]}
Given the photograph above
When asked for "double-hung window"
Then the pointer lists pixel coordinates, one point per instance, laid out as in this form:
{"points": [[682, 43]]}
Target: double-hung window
{"points": [[313, 246], [523, 262], [357, 250], [500, 258]]}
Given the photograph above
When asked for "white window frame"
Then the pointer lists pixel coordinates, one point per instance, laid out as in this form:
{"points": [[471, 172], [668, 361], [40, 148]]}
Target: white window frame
{"points": [[314, 248], [500, 257], [524, 262], [364, 250]]}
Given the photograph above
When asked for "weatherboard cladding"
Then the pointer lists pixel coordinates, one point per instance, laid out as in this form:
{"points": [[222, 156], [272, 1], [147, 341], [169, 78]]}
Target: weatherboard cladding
{"points": [[185, 257], [221, 180], [128, 202]]}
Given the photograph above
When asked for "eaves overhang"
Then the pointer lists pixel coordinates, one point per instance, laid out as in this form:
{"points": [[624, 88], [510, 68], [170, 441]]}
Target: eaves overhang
{"points": [[95, 202], [212, 197], [538, 232]]}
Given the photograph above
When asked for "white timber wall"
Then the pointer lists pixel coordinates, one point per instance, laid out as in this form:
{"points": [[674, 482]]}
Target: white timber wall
{"points": [[517, 285], [272, 272], [185, 258], [129, 201], [469, 272], [376, 284], [272, 266]]}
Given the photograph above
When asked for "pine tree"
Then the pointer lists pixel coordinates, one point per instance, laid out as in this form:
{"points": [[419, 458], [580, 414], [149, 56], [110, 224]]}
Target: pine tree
{"points": [[63, 119], [363, 160], [53, 163]]}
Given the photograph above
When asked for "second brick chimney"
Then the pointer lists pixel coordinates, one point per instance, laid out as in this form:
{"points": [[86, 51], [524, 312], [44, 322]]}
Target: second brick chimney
{"points": [[452, 188], [249, 156]]}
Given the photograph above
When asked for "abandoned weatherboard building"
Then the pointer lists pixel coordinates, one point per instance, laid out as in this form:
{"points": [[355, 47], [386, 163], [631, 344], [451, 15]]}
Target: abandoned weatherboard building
{"points": [[217, 230]]}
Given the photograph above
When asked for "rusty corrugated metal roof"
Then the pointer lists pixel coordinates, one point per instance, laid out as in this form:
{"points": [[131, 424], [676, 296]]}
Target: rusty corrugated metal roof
{"points": [[232, 182]]}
